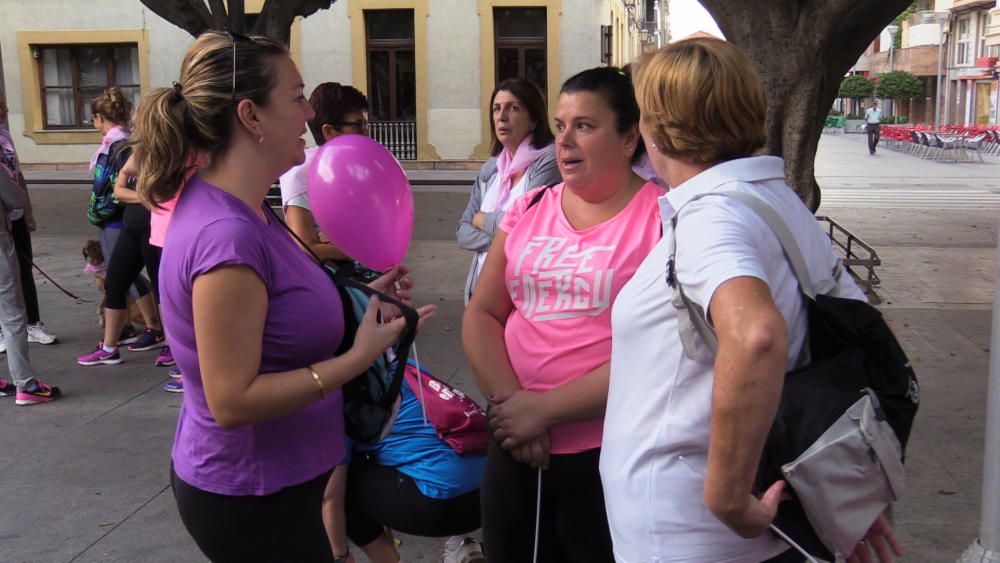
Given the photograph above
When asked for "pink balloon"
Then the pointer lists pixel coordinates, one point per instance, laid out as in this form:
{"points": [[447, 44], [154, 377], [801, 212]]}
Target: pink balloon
{"points": [[362, 200]]}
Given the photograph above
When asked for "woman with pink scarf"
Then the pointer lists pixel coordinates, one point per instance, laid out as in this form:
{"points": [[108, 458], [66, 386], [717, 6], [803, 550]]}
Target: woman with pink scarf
{"points": [[524, 158]]}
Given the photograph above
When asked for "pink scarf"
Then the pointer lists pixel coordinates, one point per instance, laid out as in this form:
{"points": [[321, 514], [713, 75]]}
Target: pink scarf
{"points": [[115, 134], [509, 166]]}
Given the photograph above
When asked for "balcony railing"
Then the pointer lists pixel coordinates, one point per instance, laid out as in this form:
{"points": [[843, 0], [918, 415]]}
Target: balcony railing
{"points": [[927, 17], [400, 137]]}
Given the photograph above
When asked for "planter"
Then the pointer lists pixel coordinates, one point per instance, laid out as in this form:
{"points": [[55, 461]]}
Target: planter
{"points": [[986, 62], [855, 126]]}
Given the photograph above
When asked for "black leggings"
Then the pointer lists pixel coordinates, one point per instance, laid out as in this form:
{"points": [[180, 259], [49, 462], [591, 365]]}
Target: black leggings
{"points": [[283, 526], [22, 244], [574, 524], [380, 496], [131, 254]]}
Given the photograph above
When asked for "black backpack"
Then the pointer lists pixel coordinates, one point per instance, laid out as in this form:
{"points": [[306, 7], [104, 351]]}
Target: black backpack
{"points": [[849, 348], [371, 400]]}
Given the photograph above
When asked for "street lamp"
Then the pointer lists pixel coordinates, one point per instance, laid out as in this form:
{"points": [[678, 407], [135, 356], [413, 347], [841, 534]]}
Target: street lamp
{"points": [[944, 27], [892, 30]]}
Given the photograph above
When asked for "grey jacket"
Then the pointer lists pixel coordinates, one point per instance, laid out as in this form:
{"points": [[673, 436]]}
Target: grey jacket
{"points": [[11, 197], [542, 172]]}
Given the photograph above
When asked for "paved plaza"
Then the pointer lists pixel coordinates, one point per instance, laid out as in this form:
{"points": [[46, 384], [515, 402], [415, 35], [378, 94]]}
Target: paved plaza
{"points": [[86, 478]]}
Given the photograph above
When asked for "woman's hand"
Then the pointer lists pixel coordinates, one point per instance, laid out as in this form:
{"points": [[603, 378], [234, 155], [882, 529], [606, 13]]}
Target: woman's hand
{"points": [[879, 539], [535, 452], [478, 219], [755, 515], [374, 338], [395, 283], [517, 418]]}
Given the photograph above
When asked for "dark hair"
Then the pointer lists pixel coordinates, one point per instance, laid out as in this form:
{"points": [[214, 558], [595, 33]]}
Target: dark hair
{"points": [[531, 98], [113, 106], [332, 101], [173, 125], [614, 85]]}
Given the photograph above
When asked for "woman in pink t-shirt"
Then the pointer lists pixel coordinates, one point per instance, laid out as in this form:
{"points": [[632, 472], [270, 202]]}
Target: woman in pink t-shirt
{"points": [[538, 329]]}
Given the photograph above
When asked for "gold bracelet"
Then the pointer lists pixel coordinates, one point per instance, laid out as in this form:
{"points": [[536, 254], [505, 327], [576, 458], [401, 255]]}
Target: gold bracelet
{"points": [[319, 383]]}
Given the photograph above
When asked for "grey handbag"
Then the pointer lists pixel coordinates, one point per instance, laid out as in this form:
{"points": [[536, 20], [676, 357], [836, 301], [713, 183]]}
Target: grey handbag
{"points": [[848, 477]]}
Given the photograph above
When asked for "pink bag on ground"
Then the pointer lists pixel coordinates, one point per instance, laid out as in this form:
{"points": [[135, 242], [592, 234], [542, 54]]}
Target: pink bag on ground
{"points": [[459, 421]]}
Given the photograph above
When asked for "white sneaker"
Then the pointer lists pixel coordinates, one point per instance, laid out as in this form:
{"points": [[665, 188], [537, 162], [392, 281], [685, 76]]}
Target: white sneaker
{"points": [[38, 334], [460, 549]]}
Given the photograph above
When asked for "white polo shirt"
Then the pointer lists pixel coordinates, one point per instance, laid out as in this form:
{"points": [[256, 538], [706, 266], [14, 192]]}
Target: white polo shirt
{"points": [[660, 400]]}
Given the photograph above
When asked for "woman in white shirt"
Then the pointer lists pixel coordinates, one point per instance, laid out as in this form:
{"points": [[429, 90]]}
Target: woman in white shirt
{"points": [[524, 158], [684, 430], [340, 110]]}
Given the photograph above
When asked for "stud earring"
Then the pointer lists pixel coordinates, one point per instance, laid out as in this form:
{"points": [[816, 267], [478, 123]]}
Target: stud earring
{"points": [[260, 140]]}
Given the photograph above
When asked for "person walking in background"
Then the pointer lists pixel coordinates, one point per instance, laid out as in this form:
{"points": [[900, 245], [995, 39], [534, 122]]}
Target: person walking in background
{"points": [[25, 387], [132, 252], [873, 125], [111, 115], [524, 158], [22, 224]]}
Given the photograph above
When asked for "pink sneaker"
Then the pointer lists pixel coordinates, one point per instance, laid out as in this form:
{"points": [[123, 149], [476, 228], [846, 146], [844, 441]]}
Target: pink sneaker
{"points": [[99, 356], [7, 388], [165, 358], [41, 393]]}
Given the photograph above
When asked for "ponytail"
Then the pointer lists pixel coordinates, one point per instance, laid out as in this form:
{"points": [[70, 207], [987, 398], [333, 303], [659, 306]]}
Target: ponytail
{"points": [[113, 106], [175, 125], [162, 144]]}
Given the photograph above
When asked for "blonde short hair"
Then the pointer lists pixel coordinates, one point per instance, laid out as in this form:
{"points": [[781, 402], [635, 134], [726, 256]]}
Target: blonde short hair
{"points": [[701, 101]]}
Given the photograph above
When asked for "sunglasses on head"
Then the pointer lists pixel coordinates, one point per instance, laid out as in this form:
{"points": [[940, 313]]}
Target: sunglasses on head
{"points": [[360, 124], [234, 36]]}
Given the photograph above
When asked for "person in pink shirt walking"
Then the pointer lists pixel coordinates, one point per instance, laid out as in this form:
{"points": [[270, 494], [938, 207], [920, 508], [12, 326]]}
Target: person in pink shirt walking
{"points": [[538, 329]]}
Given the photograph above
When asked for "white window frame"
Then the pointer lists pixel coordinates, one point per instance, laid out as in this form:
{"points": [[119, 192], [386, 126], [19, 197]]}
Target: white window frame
{"points": [[964, 42]]}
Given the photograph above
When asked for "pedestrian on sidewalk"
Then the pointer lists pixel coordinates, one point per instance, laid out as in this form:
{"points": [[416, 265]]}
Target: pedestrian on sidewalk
{"points": [[538, 329], [111, 115], [27, 389], [22, 225], [873, 125], [135, 250], [685, 426], [253, 321], [524, 158]]}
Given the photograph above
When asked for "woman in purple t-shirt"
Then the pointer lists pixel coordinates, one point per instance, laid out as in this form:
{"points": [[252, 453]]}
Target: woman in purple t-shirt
{"points": [[253, 324]]}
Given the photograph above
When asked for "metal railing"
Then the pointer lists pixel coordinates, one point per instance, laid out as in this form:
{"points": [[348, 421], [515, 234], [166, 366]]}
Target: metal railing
{"points": [[400, 137], [858, 255]]}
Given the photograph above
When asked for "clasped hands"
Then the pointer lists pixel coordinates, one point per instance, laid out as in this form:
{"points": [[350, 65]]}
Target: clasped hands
{"points": [[519, 422]]}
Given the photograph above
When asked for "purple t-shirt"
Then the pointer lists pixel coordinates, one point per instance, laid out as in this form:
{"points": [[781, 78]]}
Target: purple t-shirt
{"points": [[305, 323]]}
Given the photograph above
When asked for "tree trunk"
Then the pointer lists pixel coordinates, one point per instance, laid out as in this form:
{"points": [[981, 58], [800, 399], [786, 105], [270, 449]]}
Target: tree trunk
{"points": [[802, 49]]}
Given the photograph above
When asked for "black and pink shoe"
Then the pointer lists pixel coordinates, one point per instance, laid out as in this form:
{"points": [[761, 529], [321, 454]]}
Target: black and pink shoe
{"points": [[40, 393]]}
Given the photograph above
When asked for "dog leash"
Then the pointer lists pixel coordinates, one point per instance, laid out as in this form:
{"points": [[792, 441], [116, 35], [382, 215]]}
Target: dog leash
{"points": [[55, 283]]}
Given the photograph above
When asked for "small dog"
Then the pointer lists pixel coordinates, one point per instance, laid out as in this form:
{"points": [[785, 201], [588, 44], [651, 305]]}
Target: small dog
{"points": [[94, 256]]}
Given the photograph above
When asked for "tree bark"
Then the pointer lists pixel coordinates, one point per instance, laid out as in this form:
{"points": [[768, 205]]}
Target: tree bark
{"points": [[190, 15], [802, 49], [275, 21], [237, 17]]}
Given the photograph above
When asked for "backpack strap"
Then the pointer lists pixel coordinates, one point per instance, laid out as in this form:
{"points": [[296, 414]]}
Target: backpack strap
{"points": [[692, 318], [537, 197], [342, 280]]}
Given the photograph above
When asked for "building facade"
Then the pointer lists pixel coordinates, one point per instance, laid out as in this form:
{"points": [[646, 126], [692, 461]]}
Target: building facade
{"points": [[954, 43], [427, 66], [972, 80]]}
